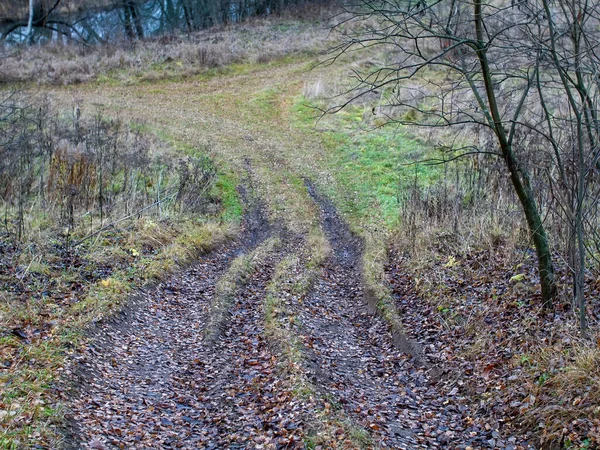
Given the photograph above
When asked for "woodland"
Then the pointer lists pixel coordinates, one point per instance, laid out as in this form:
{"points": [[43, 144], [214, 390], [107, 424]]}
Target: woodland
{"points": [[299, 224]]}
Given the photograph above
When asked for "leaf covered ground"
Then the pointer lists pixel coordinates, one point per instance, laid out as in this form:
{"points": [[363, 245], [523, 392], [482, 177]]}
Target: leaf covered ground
{"points": [[477, 315], [155, 378], [269, 340]]}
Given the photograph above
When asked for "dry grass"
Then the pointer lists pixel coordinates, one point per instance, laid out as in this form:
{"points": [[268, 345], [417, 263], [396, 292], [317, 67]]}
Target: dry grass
{"points": [[537, 371], [165, 57], [62, 267], [567, 394]]}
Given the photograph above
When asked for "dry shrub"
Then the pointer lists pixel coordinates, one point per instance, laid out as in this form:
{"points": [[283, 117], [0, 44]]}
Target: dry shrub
{"points": [[195, 178], [206, 57], [464, 209], [567, 409], [72, 173], [82, 173]]}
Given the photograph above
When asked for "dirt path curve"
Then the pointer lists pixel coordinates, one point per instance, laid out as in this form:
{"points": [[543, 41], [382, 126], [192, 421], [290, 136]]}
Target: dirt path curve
{"points": [[152, 378]]}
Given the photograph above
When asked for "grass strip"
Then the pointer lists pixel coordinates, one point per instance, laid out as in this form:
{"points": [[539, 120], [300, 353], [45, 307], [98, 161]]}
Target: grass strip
{"points": [[232, 281], [292, 281]]}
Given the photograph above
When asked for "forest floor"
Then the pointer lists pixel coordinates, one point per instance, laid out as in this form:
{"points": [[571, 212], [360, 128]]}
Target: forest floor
{"points": [[268, 342]]}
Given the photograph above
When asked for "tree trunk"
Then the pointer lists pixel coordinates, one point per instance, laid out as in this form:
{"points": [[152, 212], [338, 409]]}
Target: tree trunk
{"points": [[518, 174], [540, 240], [29, 32], [171, 18], [187, 16], [580, 273], [136, 20], [128, 25]]}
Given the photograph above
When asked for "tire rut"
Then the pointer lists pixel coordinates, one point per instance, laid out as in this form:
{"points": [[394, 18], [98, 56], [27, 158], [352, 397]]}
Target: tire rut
{"points": [[150, 378], [351, 354], [129, 391]]}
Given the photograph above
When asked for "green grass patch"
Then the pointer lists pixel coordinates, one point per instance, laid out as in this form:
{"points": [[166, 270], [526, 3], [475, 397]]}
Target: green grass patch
{"points": [[226, 189], [373, 167]]}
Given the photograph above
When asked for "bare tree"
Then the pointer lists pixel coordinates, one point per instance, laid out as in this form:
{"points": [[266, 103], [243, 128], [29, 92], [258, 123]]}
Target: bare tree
{"points": [[471, 71], [40, 15], [567, 87], [524, 71], [132, 20]]}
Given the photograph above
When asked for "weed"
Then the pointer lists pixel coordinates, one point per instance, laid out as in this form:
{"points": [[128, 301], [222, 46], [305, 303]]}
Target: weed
{"points": [[92, 210]]}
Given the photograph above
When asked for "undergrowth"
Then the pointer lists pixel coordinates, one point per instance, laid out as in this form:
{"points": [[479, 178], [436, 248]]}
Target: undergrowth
{"points": [[92, 208], [439, 218], [479, 304]]}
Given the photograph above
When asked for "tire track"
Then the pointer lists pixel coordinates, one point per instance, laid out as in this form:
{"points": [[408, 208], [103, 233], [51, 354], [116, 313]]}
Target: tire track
{"points": [[152, 379], [351, 354]]}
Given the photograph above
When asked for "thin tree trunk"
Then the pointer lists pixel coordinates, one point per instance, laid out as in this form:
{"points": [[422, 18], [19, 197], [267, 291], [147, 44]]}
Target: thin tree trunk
{"points": [[187, 15], [136, 20], [580, 270], [29, 32], [582, 121], [518, 174], [128, 25]]}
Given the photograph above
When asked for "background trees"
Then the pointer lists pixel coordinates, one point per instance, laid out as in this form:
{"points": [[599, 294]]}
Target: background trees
{"points": [[33, 21], [524, 74]]}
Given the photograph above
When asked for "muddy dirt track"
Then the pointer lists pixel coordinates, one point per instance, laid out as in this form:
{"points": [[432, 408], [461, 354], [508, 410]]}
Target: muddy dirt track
{"points": [[299, 359], [152, 378]]}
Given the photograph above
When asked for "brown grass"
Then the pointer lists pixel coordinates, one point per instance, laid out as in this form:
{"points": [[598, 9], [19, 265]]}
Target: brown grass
{"points": [[260, 40]]}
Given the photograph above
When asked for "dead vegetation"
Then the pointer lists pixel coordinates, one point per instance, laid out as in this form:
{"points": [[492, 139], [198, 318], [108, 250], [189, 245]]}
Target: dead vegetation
{"points": [[461, 266], [466, 286], [91, 208], [165, 57]]}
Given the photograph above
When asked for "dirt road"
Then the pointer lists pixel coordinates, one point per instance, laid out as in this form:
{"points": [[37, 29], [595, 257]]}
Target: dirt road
{"points": [[298, 360]]}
